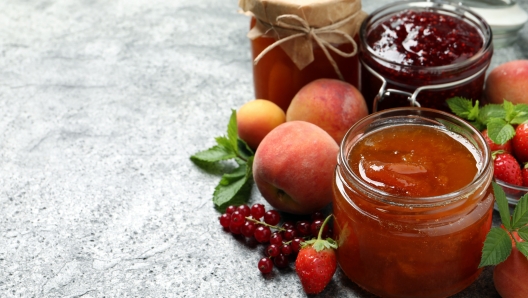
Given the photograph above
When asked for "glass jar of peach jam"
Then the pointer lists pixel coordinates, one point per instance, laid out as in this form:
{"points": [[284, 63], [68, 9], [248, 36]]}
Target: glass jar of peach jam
{"points": [[295, 42], [412, 203], [420, 53]]}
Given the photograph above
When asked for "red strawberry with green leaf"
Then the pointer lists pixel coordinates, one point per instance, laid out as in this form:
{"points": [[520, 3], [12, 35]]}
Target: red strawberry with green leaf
{"points": [[506, 168], [507, 147], [520, 142], [316, 262]]}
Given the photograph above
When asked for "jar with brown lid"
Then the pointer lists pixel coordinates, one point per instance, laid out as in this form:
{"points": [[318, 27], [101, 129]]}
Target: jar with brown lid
{"points": [[295, 42]]}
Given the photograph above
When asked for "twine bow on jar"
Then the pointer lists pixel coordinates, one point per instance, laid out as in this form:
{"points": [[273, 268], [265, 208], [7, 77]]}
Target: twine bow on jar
{"points": [[286, 21]]}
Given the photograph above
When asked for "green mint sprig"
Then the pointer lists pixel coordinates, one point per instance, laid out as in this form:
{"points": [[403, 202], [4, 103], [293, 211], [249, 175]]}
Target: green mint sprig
{"points": [[498, 119], [498, 243], [234, 187]]}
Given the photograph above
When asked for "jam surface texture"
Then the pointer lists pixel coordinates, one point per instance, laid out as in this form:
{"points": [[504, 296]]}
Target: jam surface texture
{"points": [[424, 38]]}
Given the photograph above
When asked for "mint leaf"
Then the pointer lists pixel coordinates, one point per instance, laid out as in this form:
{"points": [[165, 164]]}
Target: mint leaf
{"points": [[490, 111], [502, 203], [508, 109], [234, 188], [497, 247], [232, 131], [244, 150], [213, 154], [462, 107], [520, 113], [499, 131], [523, 233], [523, 248], [520, 213]]}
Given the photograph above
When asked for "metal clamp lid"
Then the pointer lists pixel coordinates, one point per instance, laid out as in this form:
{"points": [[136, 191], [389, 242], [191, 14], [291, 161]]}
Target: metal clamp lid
{"points": [[412, 97]]}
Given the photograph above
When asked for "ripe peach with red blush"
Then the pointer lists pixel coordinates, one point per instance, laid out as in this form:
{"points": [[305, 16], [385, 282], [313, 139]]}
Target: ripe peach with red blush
{"points": [[330, 104], [294, 166], [256, 118], [508, 81]]}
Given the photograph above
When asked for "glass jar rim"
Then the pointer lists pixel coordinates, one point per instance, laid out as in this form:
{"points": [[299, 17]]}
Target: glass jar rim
{"points": [[439, 5], [418, 113]]}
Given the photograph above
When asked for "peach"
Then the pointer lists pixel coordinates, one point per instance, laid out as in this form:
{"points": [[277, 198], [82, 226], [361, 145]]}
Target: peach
{"points": [[508, 81], [509, 277], [330, 104], [256, 118], [294, 166]]}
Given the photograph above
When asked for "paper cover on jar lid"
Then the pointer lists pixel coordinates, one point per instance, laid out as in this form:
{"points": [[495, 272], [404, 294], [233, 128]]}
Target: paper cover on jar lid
{"points": [[294, 23]]}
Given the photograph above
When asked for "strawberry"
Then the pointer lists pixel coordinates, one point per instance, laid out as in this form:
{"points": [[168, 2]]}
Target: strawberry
{"points": [[524, 174], [506, 168], [520, 142], [507, 147], [316, 262]]}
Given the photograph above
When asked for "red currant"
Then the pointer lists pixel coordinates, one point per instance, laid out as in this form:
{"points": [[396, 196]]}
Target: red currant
{"points": [[281, 261], [237, 218], [244, 209], [315, 227], [272, 217], [234, 229], [296, 244], [317, 215], [265, 265], [289, 234], [327, 233], [257, 211], [262, 234], [288, 225], [225, 220], [230, 209], [276, 238], [273, 250], [303, 227], [248, 229], [286, 249]]}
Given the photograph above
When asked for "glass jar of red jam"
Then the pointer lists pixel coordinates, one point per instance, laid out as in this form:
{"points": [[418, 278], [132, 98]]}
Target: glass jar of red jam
{"points": [[412, 203], [294, 43], [421, 53]]}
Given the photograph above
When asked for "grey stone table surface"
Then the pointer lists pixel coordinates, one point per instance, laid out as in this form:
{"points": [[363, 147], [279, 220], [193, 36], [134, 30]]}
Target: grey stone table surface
{"points": [[101, 105]]}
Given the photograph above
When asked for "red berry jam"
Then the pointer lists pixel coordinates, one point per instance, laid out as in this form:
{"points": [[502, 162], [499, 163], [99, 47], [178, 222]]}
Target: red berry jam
{"points": [[417, 46]]}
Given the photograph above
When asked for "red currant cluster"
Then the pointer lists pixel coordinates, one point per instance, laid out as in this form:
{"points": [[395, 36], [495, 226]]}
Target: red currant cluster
{"points": [[283, 242]]}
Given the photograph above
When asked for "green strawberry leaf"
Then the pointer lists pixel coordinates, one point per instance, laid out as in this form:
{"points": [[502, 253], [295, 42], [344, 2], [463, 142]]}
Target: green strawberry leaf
{"points": [[523, 233], [213, 154], [502, 203], [497, 247], [499, 131], [520, 213], [523, 248]]}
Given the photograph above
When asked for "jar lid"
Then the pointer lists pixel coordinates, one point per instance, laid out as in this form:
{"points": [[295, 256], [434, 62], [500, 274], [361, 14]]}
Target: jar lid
{"points": [[296, 23], [505, 17]]}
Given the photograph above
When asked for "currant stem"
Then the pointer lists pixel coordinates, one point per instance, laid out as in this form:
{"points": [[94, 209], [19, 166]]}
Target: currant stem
{"points": [[265, 224]]}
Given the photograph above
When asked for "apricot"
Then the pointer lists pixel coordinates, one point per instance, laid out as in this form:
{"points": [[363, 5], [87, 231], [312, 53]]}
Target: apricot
{"points": [[330, 104], [508, 81], [509, 277], [294, 167], [256, 118]]}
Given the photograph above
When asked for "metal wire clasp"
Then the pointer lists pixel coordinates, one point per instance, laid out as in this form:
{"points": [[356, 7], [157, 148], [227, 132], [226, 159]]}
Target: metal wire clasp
{"points": [[412, 97]]}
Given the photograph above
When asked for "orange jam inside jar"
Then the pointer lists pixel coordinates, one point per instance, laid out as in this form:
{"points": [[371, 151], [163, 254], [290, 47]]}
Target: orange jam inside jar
{"points": [[412, 203], [292, 45], [422, 53]]}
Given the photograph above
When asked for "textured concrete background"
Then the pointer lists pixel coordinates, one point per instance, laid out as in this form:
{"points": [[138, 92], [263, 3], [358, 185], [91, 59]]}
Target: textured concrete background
{"points": [[101, 105]]}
